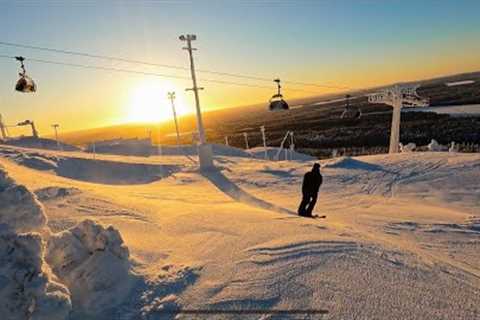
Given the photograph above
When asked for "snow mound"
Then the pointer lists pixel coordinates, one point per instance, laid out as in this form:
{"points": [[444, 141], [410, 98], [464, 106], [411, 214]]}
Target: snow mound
{"points": [[82, 271], [92, 170], [26, 290], [351, 163], [435, 146], [143, 147], [94, 264], [40, 143], [285, 154], [112, 172], [409, 147], [49, 193], [31, 160], [18, 207], [217, 149], [36, 162]]}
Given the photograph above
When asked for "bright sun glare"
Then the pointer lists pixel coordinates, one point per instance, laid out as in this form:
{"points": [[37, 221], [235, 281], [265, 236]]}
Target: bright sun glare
{"points": [[149, 102]]}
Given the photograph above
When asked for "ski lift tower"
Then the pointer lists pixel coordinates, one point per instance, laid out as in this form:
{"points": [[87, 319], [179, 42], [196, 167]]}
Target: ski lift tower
{"points": [[205, 154], [396, 96], [32, 125]]}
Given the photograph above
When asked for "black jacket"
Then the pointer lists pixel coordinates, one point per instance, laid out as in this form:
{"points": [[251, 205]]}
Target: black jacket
{"points": [[312, 182]]}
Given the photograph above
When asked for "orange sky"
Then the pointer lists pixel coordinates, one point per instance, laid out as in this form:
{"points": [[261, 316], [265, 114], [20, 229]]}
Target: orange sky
{"points": [[353, 44]]}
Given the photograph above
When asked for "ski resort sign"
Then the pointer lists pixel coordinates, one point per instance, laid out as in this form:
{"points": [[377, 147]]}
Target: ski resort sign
{"points": [[398, 96]]}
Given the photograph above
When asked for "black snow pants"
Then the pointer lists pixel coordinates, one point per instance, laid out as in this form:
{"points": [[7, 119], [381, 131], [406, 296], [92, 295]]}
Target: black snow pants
{"points": [[308, 203]]}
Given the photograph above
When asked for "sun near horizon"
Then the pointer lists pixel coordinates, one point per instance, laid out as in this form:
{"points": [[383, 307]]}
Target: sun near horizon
{"points": [[148, 102]]}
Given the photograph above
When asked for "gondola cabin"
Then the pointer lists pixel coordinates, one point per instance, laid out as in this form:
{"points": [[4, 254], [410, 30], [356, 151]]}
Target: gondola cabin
{"points": [[277, 103], [25, 84]]}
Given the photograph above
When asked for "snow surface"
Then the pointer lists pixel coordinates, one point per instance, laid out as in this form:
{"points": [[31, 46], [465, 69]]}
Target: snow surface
{"points": [[19, 208], [400, 241]]}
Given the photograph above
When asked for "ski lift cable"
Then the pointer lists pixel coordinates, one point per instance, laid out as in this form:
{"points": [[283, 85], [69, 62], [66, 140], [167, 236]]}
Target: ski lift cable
{"points": [[85, 66], [105, 57]]}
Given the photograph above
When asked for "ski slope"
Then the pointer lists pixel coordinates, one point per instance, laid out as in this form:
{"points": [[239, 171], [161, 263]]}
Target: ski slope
{"points": [[401, 239]]}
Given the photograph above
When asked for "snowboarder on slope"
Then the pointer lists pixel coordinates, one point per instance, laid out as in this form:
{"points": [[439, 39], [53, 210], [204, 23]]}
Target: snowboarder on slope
{"points": [[311, 184]]}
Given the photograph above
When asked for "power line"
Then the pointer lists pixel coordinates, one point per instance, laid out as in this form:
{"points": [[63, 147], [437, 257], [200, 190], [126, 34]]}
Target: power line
{"points": [[92, 67], [106, 57], [86, 66]]}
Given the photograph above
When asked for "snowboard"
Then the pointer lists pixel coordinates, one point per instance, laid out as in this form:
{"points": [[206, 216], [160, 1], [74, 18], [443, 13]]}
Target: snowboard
{"points": [[315, 216]]}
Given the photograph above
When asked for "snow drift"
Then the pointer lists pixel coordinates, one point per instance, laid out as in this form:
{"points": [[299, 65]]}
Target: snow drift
{"points": [[91, 170], [284, 154], [351, 163], [93, 262], [40, 143], [19, 208], [27, 289], [90, 262], [217, 149], [111, 172]]}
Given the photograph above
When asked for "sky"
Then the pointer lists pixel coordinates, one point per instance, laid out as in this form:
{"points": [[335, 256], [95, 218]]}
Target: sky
{"points": [[342, 43]]}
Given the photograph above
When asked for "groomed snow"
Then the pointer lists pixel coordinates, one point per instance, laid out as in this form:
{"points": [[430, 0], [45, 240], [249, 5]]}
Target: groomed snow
{"points": [[400, 241]]}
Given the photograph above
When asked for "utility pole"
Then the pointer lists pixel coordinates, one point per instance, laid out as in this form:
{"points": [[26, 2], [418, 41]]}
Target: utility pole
{"points": [[204, 150], [171, 96], [149, 135], [55, 127]]}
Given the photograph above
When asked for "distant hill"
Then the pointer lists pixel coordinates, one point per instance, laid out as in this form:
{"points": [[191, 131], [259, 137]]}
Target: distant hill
{"points": [[310, 115]]}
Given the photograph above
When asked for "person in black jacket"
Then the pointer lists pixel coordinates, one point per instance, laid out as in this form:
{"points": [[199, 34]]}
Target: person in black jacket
{"points": [[311, 184]]}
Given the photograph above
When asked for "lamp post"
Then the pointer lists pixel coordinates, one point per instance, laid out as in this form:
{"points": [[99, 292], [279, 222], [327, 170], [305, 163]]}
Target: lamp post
{"points": [[204, 150], [55, 128], [171, 96]]}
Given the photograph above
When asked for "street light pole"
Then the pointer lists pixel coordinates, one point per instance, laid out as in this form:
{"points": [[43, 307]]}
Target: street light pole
{"points": [[171, 96], [204, 150], [55, 127]]}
